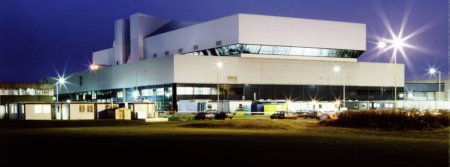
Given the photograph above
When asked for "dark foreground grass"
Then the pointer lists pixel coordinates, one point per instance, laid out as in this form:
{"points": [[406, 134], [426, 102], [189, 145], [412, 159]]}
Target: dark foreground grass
{"points": [[301, 143], [261, 124]]}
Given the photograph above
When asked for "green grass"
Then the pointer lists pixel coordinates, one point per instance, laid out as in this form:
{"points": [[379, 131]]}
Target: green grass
{"points": [[253, 142], [251, 117]]}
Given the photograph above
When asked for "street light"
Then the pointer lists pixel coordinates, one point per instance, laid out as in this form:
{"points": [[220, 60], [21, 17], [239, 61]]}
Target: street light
{"points": [[219, 65], [337, 69], [397, 43], [433, 71], [135, 94], [94, 67], [60, 81]]}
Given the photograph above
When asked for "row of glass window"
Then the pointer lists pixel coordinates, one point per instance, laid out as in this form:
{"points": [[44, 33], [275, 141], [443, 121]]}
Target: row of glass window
{"points": [[28, 91], [235, 49], [196, 91]]}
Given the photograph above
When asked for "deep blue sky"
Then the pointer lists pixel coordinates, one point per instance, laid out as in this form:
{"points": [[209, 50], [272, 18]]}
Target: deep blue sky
{"points": [[40, 37]]}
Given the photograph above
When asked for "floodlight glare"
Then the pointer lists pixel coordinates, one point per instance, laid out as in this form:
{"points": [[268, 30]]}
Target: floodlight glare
{"points": [[398, 43], [61, 80], [135, 94], [432, 71], [336, 68], [93, 67], [219, 64], [382, 44]]}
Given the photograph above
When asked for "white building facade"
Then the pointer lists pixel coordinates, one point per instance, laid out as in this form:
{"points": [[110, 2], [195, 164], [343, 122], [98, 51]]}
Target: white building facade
{"points": [[263, 57]]}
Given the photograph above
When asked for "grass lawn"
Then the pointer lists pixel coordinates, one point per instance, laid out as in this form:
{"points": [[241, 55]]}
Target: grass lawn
{"points": [[240, 142]]}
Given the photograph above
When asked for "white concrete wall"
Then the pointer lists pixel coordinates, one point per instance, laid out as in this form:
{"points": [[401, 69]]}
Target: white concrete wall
{"points": [[121, 41], [103, 57], [38, 112], [204, 35], [76, 112], [146, 72], [272, 30], [284, 71], [2, 111], [141, 25], [144, 110]]}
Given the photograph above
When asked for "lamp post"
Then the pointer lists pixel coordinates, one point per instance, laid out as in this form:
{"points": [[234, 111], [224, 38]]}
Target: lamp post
{"points": [[397, 44], [60, 81], [433, 71], [219, 66], [337, 69]]}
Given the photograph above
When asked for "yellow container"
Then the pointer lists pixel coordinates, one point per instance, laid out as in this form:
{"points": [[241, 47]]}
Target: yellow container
{"points": [[269, 109]]}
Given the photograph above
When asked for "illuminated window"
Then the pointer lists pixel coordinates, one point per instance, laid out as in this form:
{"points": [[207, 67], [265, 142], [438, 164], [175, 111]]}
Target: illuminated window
{"points": [[90, 108], [145, 92], [281, 50], [185, 90], [37, 109], [159, 91], [46, 109], [214, 91], [119, 94], [202, 91], [251, 49], [81, 108], [268, 50], [151, 92]]}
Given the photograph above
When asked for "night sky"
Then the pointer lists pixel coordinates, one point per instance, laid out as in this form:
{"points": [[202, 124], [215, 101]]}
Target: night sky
{"points": [[39, 38]]}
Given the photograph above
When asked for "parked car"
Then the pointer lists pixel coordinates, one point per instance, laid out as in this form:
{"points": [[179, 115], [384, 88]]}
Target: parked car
{"points": [[308, 114], [204, 115], [283, 115], [223, 115]]}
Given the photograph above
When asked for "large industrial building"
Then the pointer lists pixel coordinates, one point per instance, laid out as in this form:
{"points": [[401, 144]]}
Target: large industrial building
{"points": [[249, 57]]}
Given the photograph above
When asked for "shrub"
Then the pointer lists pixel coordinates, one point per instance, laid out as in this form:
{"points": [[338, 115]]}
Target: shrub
{"points": [[180, 117], [391, 120]]}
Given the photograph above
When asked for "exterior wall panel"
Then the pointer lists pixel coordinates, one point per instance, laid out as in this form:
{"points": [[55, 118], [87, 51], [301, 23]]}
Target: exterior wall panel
{"points": [[204, 35], [282, 71], [285, 31], [157, 71], [38, 112]]}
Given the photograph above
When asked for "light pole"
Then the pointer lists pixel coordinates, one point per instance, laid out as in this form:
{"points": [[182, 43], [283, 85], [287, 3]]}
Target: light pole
{"points": [[433, 71], [397, 44], [337, 69], [219, 66], [61, 81]]}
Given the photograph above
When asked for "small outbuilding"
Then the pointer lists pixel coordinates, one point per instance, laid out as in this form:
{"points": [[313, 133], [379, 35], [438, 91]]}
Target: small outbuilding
{"points": [[29, 111], [142, 110]]}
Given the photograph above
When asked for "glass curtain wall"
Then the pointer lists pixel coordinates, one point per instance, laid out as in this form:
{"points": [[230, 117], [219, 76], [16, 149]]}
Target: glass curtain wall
{"points": [[235, 49], [166, 96]]}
